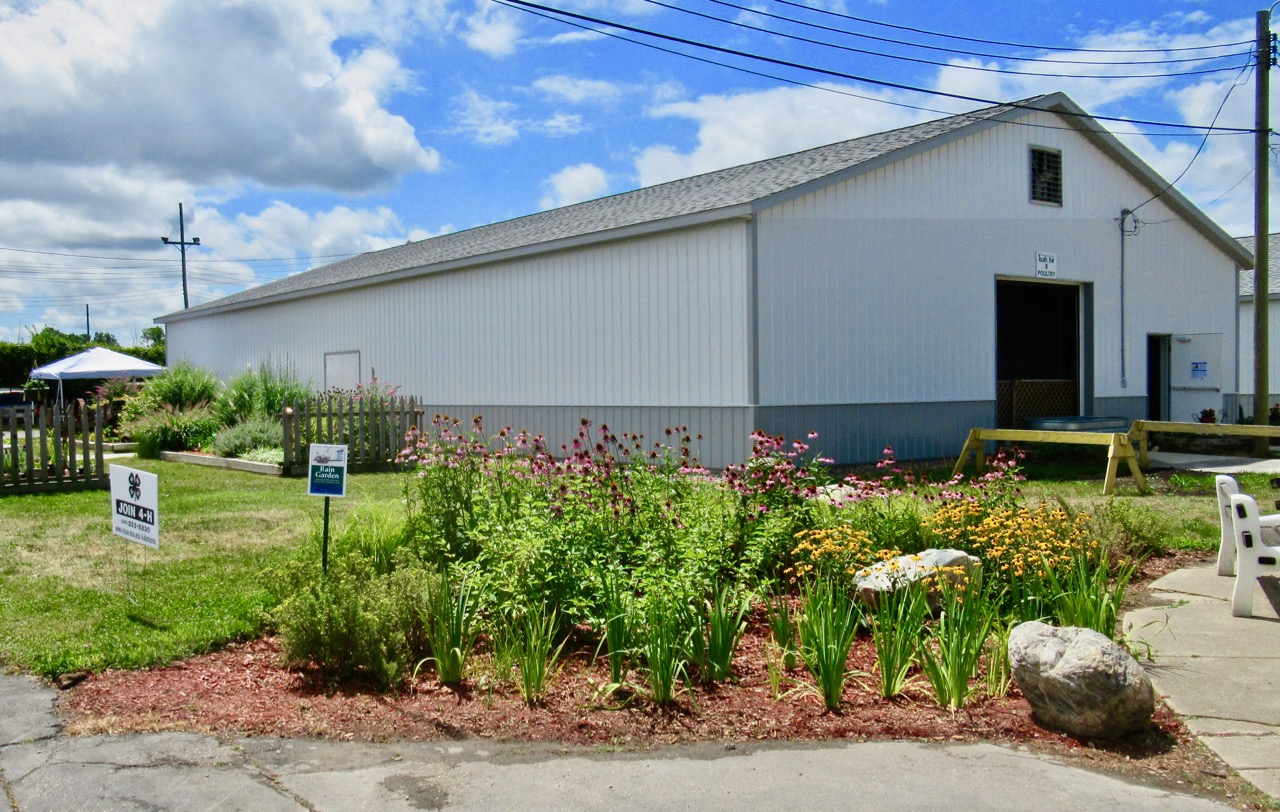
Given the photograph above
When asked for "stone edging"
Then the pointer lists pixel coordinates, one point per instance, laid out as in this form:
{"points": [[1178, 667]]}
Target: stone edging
{"points": [[223, 462]]}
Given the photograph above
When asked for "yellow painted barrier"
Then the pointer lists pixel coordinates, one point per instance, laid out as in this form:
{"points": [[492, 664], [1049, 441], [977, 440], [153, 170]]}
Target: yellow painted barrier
{"points": [[1118, 448]]}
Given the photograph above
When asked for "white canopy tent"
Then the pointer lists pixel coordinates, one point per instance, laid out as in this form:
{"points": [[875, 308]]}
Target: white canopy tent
{"points": [[95, 362]]}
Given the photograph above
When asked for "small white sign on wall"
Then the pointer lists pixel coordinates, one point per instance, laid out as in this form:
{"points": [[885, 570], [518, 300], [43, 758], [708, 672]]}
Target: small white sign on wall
{"points": [[1046, 265]]}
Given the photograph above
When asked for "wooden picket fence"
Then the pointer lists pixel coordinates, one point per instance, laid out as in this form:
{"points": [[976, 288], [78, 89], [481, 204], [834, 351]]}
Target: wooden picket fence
{"points": [[56, 449], [372, 428]]}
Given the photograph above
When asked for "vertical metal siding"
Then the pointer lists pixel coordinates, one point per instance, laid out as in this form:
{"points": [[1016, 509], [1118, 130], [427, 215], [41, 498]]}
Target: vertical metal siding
{"points": [[1245, 351], [657, 321], [881, 289]]}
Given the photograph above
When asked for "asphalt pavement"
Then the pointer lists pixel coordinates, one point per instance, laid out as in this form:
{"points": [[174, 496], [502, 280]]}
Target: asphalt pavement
{"points": [[43, 769]]}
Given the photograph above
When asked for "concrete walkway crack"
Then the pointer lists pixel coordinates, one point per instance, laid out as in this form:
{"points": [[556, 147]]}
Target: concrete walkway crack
{"points": [[8, 792], [271, 780]]}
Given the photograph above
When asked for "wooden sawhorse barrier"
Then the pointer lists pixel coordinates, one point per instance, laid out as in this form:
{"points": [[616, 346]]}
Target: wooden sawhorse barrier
{"points": [[1141, 428], [1118, 448]]}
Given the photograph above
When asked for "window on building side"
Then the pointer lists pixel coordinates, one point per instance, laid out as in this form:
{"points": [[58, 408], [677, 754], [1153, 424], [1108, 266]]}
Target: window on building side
{"points": [[1046, 176]]}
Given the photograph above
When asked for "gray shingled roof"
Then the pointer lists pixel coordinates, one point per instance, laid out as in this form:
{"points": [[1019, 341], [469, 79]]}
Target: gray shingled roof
{"points": [[703, 193], [1273, 266]]}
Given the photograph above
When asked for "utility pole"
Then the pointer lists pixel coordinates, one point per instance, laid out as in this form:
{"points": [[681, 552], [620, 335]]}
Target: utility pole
{"points": [[182, 246], [1261, 227], [88, 336]]}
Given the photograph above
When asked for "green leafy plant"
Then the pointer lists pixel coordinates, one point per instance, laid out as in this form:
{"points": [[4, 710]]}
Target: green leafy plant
{"points": [[532, 639], [1087, 595], [375, 531], [240, 439], [952, 651], [999, 673], [259, 393], [782, 629], [617, 625], [828, 622], [345, 624], [184, 385], [452, 629], [896, 625], [662, 646], [173, 429], [271, 456], [726, 621], [1133, 530]]}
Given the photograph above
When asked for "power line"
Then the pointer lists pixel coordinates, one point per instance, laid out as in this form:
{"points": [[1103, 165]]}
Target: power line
{"points": [[1199, 149], [971, 52], [922, 61], [1247, 175], [982, 41], [157, 259], [526, 4]]}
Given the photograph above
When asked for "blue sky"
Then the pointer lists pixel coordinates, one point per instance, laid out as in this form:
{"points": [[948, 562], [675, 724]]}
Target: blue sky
{"points": [[296, 132]]}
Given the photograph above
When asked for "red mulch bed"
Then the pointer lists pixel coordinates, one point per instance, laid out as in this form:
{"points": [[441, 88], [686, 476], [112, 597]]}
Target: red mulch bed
{"points": [[243, 690]]}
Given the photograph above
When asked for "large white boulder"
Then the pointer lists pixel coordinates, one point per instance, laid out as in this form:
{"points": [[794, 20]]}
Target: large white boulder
{"points": [[1079, 681], [955, 566]]}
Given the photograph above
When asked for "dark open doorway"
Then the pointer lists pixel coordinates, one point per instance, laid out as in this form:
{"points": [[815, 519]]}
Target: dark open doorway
{"points": [[1037, 351], [1158, 377]]}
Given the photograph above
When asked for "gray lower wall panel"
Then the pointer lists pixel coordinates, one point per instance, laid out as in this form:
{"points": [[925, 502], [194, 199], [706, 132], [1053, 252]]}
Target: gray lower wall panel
{"points": [[853, 433], [725, 430], [1134, 408]]}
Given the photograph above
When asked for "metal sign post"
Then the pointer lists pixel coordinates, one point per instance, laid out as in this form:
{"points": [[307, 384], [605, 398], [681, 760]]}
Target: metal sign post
{"points": [[135, 510], [327, 476]]}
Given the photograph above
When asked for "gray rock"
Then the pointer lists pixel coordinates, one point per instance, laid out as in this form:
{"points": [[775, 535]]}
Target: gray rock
{"points": [[954, 566], [1080, 682]]}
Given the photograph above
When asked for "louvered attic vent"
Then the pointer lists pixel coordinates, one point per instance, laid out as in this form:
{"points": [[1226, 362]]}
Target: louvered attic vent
{"points": [[1046, 176]]}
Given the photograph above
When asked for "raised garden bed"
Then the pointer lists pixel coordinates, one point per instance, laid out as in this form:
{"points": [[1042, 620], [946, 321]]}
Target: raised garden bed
{"points": [[222, 462]]}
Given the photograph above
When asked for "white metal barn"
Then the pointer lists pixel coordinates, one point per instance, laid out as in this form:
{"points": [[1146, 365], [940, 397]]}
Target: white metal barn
{"points": [[1245, 350], [898, 288]]}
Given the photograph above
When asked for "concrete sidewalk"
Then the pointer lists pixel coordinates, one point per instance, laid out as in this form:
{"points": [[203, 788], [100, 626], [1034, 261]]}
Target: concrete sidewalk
{"points": [[43, 770], [1221, 673], [1213, 464]]}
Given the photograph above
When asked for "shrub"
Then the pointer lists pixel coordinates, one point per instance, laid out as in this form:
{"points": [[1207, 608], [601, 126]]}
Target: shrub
{"points": [[172, 429], [345, 623], [1132, 530], [257, 432], [259, 393], [184, 385]]}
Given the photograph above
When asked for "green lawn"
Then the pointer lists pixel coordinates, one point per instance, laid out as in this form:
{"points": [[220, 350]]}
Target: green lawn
{"points": [[73, 596]]}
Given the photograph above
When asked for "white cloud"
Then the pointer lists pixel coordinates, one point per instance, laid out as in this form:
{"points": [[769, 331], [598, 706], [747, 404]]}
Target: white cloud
{"points": [[562, 124], [492, 30], [748, 127], [574, 184], [204, 92], [486, 121], [578, 91], [574, 37]]}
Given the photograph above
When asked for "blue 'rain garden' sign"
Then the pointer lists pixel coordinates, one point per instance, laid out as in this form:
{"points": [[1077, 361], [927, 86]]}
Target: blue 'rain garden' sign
{"points": [[328, 470]]}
